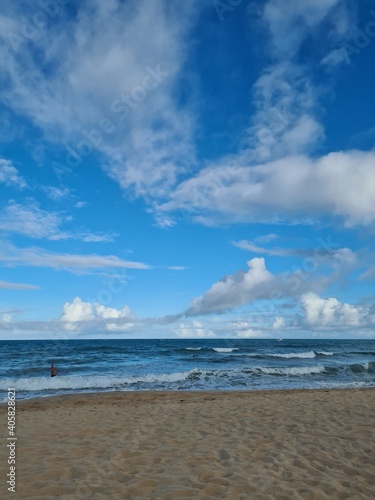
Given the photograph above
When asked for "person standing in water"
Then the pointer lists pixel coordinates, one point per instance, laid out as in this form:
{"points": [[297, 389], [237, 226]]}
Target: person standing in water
{"points": [[53, 371]]}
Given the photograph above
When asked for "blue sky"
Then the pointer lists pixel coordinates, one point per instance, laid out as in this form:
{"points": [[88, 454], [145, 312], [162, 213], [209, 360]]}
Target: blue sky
{"points": [[187, 169]]}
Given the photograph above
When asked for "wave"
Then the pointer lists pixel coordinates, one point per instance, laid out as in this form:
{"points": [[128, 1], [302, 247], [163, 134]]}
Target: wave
{"points": [[289, 355], [90, 382], [47, 385], [291, 370], [365, 367], [225, 349], [193, 348]]}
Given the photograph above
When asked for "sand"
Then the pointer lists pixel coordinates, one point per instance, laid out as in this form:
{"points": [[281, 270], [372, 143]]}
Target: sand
{"points": [[306, 444]]}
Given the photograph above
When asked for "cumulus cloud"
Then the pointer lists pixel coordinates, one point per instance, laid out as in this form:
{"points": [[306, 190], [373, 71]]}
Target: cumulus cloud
{"points": [[193, 330], [257, 282], [330, 312], [86, 311], [235, 290], [77, 312]]}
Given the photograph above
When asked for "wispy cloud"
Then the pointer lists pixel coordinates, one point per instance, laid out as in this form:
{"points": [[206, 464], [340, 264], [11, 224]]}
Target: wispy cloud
{"points": [[32, 221], [38, 257], [56, 193], [6, 285], [9, 174], [107, 71]]}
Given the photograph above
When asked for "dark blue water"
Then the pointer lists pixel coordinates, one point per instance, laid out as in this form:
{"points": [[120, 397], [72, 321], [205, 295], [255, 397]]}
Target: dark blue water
{"points": [[128, 365]]}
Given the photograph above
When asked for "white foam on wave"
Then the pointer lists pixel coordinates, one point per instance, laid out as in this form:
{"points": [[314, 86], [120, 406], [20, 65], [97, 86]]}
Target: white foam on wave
{"points": [[293, 370], [324, 353], [225, 349], [193, 348], [289, 355], [89, 382]]}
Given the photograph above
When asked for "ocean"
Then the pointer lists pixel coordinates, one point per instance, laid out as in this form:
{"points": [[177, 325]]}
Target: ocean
{"points": [[183, 365]]}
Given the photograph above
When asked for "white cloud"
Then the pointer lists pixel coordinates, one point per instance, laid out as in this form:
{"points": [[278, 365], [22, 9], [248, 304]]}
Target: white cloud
{"points": [[95, 238], [77, 311], [257, 283], [290, 22], [330, 312], [9, 174], [290, 187], [235, 290], [80, 204], [115, 327], [250, 185], [80, 312], [249, 245], [278, 323], [7, 318], [336, 57], [193, 330], [283, 123], [32, 221], [104, 67], [249, 334], [56, 193], [266, 238]]}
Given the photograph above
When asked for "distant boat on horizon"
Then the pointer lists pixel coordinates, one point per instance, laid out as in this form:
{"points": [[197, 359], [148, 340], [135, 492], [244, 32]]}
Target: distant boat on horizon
{"points": [[280, 340]]}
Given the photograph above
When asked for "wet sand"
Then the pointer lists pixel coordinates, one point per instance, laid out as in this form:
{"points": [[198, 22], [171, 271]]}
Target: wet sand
{"points": [[305, 444]]}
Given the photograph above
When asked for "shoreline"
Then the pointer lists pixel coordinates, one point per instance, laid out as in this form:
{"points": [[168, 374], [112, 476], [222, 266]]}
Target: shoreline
{"points": [[174, 393], [299, 443]]}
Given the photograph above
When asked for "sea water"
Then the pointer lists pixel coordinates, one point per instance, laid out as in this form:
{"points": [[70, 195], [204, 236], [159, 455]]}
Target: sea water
{"points": [[133, 365]]}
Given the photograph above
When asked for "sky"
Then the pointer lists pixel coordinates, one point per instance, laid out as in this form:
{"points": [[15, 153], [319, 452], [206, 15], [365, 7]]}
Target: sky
{"points": [[196, 169]]}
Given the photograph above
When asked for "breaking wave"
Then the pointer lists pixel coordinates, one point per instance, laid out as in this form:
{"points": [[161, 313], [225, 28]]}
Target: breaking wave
{"points": [[225, 349]]}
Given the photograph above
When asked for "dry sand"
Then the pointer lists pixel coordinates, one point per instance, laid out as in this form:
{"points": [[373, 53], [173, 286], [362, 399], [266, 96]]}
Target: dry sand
{"points": [[307, 444]]}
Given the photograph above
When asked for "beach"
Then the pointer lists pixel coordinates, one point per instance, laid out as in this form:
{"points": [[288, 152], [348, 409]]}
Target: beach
{"points": [[310, 444]]}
